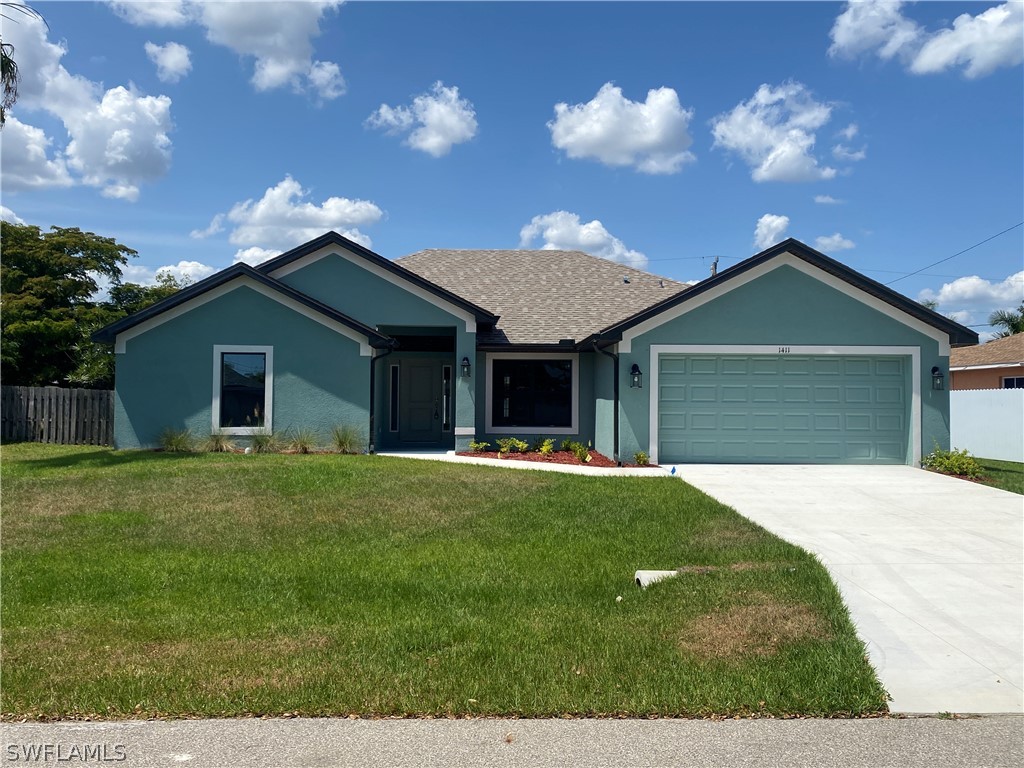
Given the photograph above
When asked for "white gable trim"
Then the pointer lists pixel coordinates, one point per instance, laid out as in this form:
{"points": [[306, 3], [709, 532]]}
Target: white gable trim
{"points": [[383, 274], [786, 259], [242, 281], [914, 353]]}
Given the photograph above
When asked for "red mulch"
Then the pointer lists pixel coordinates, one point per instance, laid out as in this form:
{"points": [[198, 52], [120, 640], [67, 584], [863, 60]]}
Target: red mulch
{"points": [[557, 457]]}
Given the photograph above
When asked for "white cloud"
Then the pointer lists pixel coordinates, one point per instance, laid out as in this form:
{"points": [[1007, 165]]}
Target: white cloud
{"points": [[771, 229], [172, 61], [118, 138], [6, 214], [652, 136], [562, 231], [278, 36], [970, 300], [255, 255], [826, 200], [216, 225], [187, 271], [981, 44], [23, 154], [774, 133], [282, 219], [848, 154], [849, 131], [833, 243], [441, 119]]}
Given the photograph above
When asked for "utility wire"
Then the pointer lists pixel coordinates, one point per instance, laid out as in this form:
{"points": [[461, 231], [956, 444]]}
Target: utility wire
{"points": [[959, 253]]}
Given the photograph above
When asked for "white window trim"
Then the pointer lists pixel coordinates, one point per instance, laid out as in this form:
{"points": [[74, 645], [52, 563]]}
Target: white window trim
{"points": [[914, 353], [268, 383], [786, 259], [489, 400]]}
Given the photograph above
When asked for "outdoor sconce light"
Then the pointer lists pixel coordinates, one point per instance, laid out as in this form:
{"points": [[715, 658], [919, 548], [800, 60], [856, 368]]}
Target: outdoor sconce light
{"points": [[937, 382], [636, 377], [465, 368]]}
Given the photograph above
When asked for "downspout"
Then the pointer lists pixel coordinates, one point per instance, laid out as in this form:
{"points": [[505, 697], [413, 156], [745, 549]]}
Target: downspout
{"points": [[615, 412], [392, 344]]}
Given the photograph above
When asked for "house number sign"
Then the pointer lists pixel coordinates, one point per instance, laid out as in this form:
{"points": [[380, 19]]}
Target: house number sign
{"points": [[784, 350]]}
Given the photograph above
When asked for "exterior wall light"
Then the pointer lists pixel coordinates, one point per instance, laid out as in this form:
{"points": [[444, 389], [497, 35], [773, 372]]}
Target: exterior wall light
{"points": [[465, 368], [636, 377], [937, 378]]}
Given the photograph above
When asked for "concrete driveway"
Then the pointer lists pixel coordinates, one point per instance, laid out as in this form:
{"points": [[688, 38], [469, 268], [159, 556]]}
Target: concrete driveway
{"points": [[930, 567]]}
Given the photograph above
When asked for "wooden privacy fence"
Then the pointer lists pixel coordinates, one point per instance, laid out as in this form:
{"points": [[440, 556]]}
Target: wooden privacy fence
{"points": [[56, 415]]}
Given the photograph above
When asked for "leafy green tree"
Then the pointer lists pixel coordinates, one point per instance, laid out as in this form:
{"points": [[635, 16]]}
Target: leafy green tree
{"points": [[47, 284], [1010, 320]]}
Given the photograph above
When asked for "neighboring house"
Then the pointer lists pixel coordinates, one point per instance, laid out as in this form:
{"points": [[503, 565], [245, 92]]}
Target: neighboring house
{"points": [[997, 364], [788, 356]]}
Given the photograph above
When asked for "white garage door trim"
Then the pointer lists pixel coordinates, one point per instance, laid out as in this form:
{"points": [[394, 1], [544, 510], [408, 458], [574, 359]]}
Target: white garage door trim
{"points": [[779, 349]]}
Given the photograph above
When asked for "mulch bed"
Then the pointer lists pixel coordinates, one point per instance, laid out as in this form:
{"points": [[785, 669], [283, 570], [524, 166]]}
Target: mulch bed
{"points": [[556, 457]]}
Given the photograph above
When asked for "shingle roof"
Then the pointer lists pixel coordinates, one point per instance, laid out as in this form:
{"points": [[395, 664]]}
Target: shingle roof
{"points": [[1008, 350], [542, 297]]}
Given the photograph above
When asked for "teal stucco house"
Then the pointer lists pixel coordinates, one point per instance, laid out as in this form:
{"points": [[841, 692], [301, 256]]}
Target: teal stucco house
{"points": [[788, 356]]}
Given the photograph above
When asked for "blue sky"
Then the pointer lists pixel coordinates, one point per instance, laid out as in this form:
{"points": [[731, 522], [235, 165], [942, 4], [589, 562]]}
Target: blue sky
{"points": [[661, 135]]}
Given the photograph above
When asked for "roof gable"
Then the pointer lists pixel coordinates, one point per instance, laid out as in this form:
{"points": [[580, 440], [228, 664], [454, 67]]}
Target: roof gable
{"points": [[542, 297], [193, 295], [835, 273]]}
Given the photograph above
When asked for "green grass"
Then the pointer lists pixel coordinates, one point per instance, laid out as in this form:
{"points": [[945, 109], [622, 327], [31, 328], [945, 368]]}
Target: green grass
{"points": [[1008, 475], [141, 584]]}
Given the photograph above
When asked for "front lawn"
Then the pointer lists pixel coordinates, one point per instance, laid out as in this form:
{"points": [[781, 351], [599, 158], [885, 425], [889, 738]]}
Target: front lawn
{"points": [[142, 584], [1008, 475]]}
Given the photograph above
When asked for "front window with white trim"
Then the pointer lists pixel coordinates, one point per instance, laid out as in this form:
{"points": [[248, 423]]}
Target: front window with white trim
{"points": [[530, 394], [243, 382]]}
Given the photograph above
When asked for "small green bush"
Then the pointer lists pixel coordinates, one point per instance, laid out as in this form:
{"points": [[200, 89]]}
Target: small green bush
{"points": [[218, 444], [512, 445], [177, 440], [581, 451], [347, 439], [547, 447], [566, 445], [641, 459], [302, 441], [265, 444], [478, 447], [953, 463]]}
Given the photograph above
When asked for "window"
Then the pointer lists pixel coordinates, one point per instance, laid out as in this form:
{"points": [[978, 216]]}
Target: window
{"points": [[394, 398], [242, 390], [529, 394], [1013, 382]]}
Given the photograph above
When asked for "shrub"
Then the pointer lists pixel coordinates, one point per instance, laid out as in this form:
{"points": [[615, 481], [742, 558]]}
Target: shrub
{"points": [[641, 458], [302, 441], [476, 447], [265, 444], [512, 445], [347, 439], [547, 447], [953, 463], [218, 444], [581, 451], [177, 440], [566, 445]]}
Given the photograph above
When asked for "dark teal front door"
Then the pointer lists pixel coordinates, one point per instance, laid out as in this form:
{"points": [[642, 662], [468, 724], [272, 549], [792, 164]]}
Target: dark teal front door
{"points": [[420, 405]]}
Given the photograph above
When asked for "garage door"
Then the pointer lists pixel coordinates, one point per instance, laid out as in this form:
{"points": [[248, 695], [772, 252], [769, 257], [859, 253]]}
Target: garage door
{"points": [[783, 409]]}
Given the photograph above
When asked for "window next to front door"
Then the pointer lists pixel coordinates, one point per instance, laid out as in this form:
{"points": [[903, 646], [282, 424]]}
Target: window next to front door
{"points": [[532, 394], [243, 384]]}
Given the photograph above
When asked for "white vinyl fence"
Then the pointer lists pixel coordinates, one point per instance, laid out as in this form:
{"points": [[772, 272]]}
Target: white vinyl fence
{"points": [[988, 422]]}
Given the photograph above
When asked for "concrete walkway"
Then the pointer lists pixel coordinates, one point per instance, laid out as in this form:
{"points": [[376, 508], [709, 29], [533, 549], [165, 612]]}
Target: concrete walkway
{"points": [[568, 469], [930, 567]]}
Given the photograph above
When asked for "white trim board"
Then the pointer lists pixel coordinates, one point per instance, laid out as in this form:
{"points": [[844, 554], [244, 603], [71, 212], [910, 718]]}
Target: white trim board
{"points": [[489, 403], [914, 353], [984, 367], [378, 271], [268, 390], [785, 259], [242, 281]]}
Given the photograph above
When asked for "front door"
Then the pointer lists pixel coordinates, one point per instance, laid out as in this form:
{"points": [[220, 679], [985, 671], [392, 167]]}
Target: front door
{"points": [[420, 406]]}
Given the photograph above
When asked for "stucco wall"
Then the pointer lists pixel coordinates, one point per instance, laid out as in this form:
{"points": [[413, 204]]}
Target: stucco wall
{"points": [[165, 377], [983, 378], [785, 307]]}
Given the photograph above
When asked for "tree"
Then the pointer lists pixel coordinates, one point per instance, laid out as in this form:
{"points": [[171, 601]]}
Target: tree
{"points": [[1010, 320], [9, 74], [47, 284]]}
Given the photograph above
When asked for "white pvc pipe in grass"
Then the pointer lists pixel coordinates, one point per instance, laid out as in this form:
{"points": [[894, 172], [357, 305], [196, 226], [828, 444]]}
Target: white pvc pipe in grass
{"points": [[644, 579]]}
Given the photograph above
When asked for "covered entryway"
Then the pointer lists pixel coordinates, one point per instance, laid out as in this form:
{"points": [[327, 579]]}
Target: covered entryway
{"points": [[420, 390], [793, 406]]}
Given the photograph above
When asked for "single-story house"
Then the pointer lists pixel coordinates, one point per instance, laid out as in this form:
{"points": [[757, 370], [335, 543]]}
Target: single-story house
{"points": [[788, 356], [997, 364]]}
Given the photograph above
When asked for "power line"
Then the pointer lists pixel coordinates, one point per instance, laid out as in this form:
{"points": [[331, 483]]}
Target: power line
{"points": [[959, 253], [933, 274]]}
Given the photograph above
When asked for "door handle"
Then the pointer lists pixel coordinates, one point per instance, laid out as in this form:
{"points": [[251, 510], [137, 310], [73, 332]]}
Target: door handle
{"points": [[436, 416]]}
